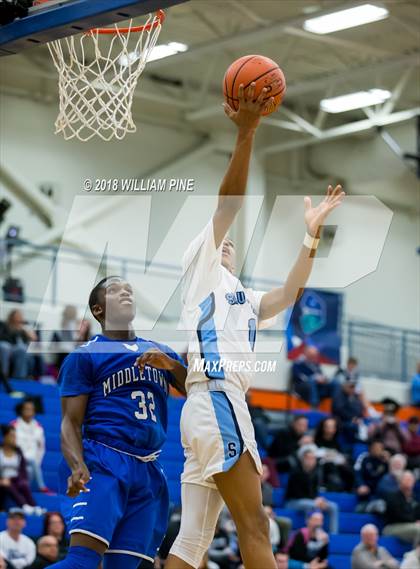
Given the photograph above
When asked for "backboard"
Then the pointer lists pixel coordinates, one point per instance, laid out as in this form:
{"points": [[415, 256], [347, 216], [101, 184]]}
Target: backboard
{"points": [[57, 19]]}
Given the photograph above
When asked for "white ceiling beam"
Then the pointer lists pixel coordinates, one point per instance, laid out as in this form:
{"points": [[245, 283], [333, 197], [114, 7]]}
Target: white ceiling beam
{"points": [[30, 196], [320, 82], [337, 42], [389, 105], [246, 11], [350, 74], [256, 35], [300, 121], [343, 131], [287, 125], [411, 27], [304, 186]]}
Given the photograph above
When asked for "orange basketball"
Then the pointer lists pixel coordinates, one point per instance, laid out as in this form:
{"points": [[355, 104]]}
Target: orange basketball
{"points": [[263, 71]]}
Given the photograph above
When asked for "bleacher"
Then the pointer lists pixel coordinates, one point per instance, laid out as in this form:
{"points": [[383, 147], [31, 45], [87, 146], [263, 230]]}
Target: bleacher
{"points": [[172, 459]]}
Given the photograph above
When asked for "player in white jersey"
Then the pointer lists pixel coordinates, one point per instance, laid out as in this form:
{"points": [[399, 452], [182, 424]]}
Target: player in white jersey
{"points": [[222, 461]]}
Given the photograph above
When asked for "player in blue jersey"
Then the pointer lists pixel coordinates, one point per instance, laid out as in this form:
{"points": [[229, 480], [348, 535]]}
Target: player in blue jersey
{"points": [[114, 393]]}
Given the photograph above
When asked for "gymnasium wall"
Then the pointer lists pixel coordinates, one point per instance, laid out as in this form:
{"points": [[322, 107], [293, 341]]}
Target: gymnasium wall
{"points": [[31, 150]]}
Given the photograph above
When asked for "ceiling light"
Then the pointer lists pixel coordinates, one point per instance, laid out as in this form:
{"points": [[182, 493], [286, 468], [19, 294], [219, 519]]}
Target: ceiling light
{"points": [[166, 49], [343, 19], [356, 100]]}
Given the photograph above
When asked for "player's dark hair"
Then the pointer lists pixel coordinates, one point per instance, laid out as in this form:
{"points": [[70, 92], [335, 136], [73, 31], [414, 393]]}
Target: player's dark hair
{"points": [[297, 418], [94, 294], [6, 429], [19, 407], [374, 441], [47, 519]]}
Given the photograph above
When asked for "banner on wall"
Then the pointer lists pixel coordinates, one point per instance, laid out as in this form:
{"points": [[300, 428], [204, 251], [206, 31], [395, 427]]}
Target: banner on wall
{"points": [[316, 321]]}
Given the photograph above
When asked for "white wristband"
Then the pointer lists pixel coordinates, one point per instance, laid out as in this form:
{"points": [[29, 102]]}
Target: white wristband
{"points": [[310, 242]]}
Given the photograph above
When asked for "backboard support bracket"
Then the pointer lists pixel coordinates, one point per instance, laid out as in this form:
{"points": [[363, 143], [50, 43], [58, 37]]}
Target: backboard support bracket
{"points": [[69, 18]]}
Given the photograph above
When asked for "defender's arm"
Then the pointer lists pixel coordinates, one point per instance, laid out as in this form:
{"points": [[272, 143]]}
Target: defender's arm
{"points": [[73, 412]]}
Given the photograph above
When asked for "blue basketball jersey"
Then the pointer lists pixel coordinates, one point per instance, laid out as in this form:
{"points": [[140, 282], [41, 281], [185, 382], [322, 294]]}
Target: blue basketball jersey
{"points": [[126, 409]]}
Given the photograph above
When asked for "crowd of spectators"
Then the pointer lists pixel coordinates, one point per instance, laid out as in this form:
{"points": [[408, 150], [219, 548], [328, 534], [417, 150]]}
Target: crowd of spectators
{"points": [[17, 551], [22, 449], [16, 334], [309, 462]]}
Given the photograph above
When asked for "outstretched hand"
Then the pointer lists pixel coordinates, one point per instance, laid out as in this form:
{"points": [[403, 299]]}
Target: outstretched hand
{"points": [[154, 358], [316, 216], [250, 108]]}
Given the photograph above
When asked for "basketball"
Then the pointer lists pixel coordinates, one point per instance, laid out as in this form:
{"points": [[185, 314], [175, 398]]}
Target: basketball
{"points": [[263, 71]]}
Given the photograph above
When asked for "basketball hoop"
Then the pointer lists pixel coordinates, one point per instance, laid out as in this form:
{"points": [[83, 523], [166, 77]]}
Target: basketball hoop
{"points": [[97, 79]]}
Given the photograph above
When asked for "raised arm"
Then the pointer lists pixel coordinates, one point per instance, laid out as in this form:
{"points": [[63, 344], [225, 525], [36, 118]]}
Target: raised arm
{"points": [[73, 411], [280, 298], [234, 183], [160, 360]]}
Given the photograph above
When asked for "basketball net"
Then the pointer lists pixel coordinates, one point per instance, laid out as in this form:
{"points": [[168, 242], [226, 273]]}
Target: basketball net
{"points": [[97, 78]]}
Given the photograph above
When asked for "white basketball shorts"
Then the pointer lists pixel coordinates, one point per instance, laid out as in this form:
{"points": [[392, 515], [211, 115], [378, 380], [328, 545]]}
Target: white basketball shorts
{"points": [[216, 429]]}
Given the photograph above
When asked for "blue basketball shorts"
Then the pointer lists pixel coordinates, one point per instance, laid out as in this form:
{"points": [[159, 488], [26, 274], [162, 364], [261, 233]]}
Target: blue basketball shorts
{"points": [[127, 506]]}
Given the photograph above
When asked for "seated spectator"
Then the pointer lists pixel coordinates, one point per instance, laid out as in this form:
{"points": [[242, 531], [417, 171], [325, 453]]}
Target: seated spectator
{"points": [[388, 429], [412, 558], [284, 562], [310, 542], [368, 554], [411, 445], [260, 421], [403, 511], [348, 407], [205, 563], [15, 547], [54, 525], [275, 533], [308, 380], [72, 332], [415, 387], [47, 552], [287, 441], [273, 477], [13, 474], [349, 373], [389, 483], [370, 467], [337, 474], [223, 549], [171, 533], [302, 492], [266, 487], [4, 369], [30, 439], [284, 524], [15, 337]]}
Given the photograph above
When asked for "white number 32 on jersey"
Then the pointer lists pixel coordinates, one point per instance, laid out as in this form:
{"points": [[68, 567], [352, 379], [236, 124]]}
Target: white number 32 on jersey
{"points": [[146, 407]]}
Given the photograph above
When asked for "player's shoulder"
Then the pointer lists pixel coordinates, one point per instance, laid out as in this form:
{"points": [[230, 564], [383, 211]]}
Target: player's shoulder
{"points": [[89, 346], [160, 346], [83, 352], [206, 235]]}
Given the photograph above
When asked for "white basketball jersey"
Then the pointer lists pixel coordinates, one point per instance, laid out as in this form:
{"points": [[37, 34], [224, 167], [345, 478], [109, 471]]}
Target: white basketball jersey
{"points": [[220, 315]]}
